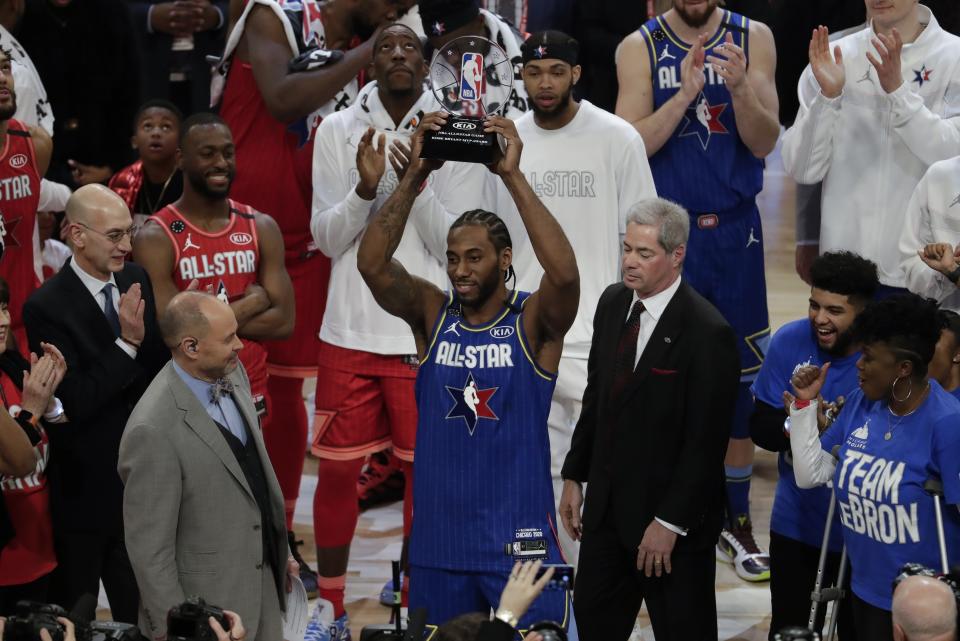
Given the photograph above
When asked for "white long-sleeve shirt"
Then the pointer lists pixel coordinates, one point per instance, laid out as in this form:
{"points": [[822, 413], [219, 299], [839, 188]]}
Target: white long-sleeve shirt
{"points": [[589, 174], [353, 319], [933, 216], [871, 148]]}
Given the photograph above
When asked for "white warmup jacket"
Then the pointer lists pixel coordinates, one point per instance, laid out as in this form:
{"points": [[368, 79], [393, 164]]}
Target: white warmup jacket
{"points": [[933, 216], [869, 148], [353, 319]]}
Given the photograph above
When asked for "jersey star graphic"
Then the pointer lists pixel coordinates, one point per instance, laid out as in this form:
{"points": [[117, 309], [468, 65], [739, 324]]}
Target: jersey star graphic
{"points": [[922, 75], [9, 229], [703, 120], [540, 51], [471, 404]]}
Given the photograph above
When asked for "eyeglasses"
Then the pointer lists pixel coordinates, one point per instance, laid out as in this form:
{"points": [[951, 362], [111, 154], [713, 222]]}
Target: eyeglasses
{"points": [[115, 236]]}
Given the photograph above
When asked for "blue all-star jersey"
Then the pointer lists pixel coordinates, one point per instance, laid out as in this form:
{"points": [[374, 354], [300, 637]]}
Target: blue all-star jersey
{"points": [[704, 165], [482, 486]]}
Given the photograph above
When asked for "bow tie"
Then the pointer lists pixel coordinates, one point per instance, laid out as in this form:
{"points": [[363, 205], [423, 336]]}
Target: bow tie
{"points": [[220, 388]]}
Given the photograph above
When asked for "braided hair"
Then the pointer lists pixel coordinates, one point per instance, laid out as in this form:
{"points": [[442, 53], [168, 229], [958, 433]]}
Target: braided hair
{"points": [[499, 236]]}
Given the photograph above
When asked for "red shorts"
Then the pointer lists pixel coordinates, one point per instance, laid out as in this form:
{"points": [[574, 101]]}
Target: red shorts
{"points": [[296, 357], [254, 359], [364, 403]]}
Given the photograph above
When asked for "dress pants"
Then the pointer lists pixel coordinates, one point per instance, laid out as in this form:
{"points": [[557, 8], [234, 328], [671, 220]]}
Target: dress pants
{"points": [[609, 591], [871, 622], [83, 559]]}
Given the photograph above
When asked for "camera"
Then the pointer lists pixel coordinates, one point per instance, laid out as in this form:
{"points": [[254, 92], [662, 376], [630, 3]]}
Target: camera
{"points": [[189, 621], [549, 630], [108, 631], [31, 617], [796, 633]]}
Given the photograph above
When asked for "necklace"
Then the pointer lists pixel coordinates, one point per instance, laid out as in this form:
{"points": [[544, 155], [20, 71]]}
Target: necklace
{"points": [[151, 206], [889, 433]]}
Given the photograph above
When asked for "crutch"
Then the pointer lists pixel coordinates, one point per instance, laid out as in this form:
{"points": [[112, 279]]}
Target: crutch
{"points": [[836, 592], [934, 487]]}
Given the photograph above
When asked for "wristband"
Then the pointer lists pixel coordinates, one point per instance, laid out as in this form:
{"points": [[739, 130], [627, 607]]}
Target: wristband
{"points": [[954, 276], [507, 617], [800, 404]]}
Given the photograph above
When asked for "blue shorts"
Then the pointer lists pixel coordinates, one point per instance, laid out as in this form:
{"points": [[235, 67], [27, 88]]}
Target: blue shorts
{"points": [[449, 593], [724, 263]]}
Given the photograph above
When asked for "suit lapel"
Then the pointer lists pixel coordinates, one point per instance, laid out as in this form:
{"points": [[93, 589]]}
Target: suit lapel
{"points": [[615, 322], [200, 422]]}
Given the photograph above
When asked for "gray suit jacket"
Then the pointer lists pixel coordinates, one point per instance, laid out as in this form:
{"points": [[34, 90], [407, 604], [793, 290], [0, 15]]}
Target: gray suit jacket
{"points": [[191, 524]]}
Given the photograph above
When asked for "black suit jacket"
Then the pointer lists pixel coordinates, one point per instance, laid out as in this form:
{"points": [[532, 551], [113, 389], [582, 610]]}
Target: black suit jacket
{"points": [[99, 391], [657, 450]]}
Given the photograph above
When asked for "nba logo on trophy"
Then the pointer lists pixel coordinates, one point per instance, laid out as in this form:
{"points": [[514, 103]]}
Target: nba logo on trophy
{"points": [[471, 77]]}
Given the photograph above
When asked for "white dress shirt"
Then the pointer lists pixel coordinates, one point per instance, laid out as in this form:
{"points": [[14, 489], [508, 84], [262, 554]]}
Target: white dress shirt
{"points": [[652, 311], [95, 286]]}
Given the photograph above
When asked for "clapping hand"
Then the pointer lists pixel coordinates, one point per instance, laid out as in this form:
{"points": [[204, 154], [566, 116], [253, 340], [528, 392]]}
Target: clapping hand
{"points": [[827, 69], [131, 315], [939, 256], [371, 163], [888, 64]]}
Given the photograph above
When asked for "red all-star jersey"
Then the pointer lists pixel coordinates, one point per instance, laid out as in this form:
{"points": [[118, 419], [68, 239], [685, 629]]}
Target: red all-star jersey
{"points": [[19, 198]]}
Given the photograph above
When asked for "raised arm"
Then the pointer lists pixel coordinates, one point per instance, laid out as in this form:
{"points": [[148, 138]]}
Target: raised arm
{"points": [[808, 143], [812, 466], [291, 96], [408, 297], [553, 307], [276, 321], [635, 99], [752, 88]]}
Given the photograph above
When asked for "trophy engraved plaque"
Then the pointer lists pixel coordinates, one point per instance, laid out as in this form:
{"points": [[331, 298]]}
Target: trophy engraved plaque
{"points": [[471, 78]]}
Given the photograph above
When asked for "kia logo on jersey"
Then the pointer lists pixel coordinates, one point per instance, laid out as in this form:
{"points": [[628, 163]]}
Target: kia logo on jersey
{"points": [[18, 160], [501, 332], [241, 238]]}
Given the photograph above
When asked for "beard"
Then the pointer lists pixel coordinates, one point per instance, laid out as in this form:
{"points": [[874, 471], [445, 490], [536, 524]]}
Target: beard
{"points": [[485, 289], [557, 110], [842, 344], [200, 185], [8, 111], [695, 21]]}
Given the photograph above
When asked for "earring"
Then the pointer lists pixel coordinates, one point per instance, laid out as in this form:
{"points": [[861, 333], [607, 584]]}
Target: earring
{"points": [[893, 390]]}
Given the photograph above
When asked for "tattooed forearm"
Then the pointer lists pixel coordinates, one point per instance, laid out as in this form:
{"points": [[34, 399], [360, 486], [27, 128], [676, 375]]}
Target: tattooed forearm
{"points": [[392, 219]]}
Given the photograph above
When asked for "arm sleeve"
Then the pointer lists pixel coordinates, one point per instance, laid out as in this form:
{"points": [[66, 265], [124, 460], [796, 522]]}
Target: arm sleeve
{"points": [[338, 215], [711, 389], [634, 179], [150, 470], [812, 466], [921, 279], [808, 143], [808, 213], [766, 427], [931, 137]]}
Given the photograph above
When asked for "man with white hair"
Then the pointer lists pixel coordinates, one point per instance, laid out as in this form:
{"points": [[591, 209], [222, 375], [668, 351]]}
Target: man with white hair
{"points": [[924, 609]]}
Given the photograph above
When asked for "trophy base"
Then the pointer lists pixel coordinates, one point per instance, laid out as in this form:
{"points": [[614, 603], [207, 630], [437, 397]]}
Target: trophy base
{"points": [[462, 139]]}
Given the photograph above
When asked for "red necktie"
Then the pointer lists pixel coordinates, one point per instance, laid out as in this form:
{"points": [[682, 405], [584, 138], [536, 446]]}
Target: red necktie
{"points": [[627, 350]]}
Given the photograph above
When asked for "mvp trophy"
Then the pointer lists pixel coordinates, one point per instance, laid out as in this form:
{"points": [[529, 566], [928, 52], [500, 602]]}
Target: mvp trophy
{"points": [[472, 79]]}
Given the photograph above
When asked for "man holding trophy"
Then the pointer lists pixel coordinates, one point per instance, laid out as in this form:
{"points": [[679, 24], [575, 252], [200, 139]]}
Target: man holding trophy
{"points": [[488, 357]]}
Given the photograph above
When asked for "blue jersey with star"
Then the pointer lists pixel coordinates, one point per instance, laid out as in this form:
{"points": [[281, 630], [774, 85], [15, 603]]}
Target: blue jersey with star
{"points": [[482, 486], [704, 165]]}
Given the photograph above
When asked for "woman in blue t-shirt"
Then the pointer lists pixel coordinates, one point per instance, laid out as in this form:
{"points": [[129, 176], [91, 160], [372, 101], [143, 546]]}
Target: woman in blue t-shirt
{"points": [[895, 432]]}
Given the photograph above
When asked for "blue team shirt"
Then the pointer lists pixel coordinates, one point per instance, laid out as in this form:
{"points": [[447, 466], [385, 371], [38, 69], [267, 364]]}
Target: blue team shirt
{"points": [[800, 514], [704, 165], [482, 486], [888, 519]]}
